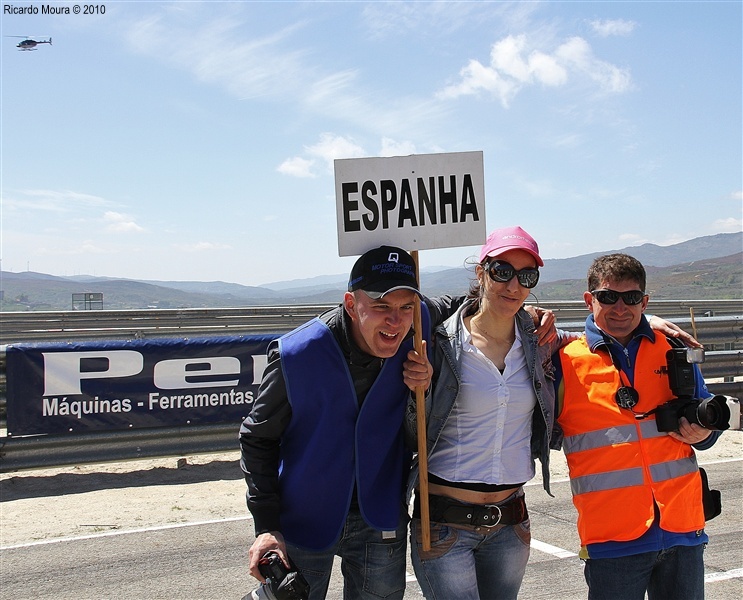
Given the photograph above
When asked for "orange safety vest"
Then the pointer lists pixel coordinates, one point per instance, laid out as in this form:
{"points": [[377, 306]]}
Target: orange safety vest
{"points": [[621, 467]]}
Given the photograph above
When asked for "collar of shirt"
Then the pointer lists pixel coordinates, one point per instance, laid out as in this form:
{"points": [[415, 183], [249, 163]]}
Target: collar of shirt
{"points": [[465, 339], [596, 337]]}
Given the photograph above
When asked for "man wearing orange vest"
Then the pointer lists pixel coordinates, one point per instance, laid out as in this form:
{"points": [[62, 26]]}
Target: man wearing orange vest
{"points": [[638, 491]]}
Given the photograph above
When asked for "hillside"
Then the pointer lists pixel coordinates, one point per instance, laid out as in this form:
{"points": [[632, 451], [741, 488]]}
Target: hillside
{"points": [[709, 267]]}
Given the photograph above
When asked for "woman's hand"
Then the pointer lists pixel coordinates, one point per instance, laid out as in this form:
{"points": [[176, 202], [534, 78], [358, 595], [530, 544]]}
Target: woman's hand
{"points": [[544, 323]]}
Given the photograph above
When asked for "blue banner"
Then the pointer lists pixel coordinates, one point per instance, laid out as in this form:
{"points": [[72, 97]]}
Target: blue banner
{"points": [[111, 385]]}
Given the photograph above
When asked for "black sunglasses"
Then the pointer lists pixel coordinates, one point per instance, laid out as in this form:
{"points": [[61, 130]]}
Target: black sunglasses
{"points": [[630, 298], [502, 272]]}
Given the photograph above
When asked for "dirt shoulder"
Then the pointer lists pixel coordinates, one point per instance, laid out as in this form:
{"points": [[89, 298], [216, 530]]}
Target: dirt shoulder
{"points": [[92, 499], [89, 499]]}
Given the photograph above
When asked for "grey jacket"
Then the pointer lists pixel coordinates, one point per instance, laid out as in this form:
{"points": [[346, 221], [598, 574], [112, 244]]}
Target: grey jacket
{"points": [[447, 377]]}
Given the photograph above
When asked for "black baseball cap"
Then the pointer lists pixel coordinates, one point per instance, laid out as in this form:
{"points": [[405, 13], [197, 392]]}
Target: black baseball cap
{"points": [[382, 270]]}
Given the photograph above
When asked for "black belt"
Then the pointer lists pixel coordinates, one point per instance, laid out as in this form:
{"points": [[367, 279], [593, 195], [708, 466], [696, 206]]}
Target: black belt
{"points": [[447, 510]]}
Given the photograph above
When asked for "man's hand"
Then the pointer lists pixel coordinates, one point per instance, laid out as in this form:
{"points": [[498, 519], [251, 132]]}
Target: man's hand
{"points": [[674, 331], [266, 542], [544, 323], [417, 371], [690, 433]]}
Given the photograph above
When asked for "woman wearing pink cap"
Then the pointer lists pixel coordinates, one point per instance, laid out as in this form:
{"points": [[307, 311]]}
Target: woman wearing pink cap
{"points": [[489, 415]]}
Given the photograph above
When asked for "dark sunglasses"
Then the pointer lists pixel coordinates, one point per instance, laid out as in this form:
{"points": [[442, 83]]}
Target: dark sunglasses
{"points": [[502, 272], [631, 298]]}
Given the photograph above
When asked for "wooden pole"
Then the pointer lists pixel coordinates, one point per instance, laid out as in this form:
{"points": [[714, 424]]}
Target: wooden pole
{"points": [[420, 401]]}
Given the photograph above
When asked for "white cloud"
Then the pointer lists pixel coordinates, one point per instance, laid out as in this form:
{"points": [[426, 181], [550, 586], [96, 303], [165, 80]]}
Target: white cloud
{"points": [[52, 201], [441, 19], [120, 223], [507, 57], [277, 65], [329, 89], [249, 68], [331, 146], [631, 238], [297, 167], [729, 225], [201, 247], [514, 64], [85, 247], [611, 27], [475, 78], [737, 196], [577, 53], [392, 147]]}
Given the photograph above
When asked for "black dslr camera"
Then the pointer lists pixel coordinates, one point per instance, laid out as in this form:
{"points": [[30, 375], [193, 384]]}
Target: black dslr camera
{"points": [[281, 583], [714, 413]]}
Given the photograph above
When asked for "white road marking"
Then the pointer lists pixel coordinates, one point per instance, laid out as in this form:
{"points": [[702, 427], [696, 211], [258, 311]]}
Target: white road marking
{"points": [[732, 574], [550, 549], [123, 532]]}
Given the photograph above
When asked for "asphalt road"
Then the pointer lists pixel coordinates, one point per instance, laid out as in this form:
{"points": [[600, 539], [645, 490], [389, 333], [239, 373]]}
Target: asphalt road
{"points": [[208, 560]]}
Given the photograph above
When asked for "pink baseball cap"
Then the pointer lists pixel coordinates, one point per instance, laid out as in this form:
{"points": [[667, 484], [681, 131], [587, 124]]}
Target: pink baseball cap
{"points": [[510, 238]]}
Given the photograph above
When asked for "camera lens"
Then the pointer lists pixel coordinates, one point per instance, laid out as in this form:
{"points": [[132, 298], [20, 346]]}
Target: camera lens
{"points": [[712, 413]]}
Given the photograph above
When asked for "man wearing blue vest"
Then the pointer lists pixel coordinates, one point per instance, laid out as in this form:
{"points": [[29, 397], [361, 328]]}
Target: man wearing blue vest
{"points": [[323, 449]]}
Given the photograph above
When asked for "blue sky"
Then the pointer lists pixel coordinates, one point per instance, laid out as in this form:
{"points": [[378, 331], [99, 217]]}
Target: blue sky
{"points": [[195, 141]]}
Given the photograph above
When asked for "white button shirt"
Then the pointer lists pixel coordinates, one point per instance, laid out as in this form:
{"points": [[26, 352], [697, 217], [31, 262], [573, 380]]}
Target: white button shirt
{"points": [[486, 438]]}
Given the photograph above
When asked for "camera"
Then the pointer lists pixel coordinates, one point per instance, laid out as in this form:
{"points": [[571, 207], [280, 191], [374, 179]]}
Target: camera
{"points": [[281, 583], [716, 413]]}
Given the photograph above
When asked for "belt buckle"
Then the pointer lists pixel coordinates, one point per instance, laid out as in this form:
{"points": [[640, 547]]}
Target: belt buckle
{"points": [[500, 514]]}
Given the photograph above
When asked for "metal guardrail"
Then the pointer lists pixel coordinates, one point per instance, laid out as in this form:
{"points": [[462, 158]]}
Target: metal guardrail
{"points": [[50, 326], [136, 324], [42, 451], [722, 335]]}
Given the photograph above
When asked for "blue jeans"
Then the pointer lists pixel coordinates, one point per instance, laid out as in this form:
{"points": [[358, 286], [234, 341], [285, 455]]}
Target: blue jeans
{"points": [[373, 565], [673, 574], [467, 564]]}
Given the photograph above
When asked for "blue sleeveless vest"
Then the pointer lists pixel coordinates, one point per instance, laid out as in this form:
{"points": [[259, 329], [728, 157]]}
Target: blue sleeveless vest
{"points": [[331, 444]]}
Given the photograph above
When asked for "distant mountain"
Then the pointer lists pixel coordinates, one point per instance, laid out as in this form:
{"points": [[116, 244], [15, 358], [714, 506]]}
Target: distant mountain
{"points": [[216, 287], [316, 282], [712, 246], [555, 269], [37, 291], [706, 267]]}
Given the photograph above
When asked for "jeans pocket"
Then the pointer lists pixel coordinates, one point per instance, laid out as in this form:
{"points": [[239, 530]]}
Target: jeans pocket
{"points": [[442, 539], [385, 568], [523, 532]]}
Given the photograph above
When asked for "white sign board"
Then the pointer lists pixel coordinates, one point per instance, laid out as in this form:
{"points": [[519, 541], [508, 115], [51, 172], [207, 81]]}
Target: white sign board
{"points": [[415, 202]]}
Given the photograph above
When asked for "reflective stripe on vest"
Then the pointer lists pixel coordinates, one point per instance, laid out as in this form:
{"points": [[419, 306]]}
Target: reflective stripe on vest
{"points": [[628, 477], [674, 468], [606, 481], [608, 437]]}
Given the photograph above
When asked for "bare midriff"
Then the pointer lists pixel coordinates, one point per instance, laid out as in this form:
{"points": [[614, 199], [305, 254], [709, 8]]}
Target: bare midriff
{"points": [[470, 496]]}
